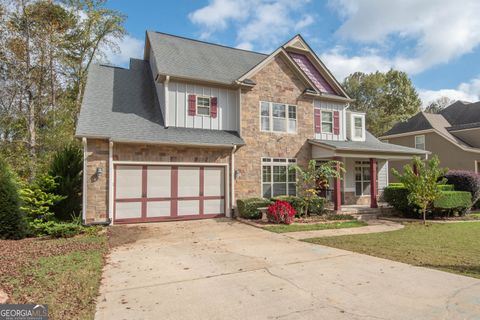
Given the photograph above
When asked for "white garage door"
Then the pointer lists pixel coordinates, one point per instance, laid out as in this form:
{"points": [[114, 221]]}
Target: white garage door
{"points": [[147, 193]]}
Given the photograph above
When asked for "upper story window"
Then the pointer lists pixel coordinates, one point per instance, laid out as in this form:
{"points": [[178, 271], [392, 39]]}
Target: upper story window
{"points": [[358, 127], [203, 106], [420, 142], [278, 117], [327, 121]]}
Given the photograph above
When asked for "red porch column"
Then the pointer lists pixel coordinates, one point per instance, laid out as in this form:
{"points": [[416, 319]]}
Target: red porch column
{"points": [[373, 183], [337, 196]]}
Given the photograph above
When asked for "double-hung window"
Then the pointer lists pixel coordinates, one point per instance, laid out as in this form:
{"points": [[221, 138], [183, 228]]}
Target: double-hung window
{"points": [[278, 117], [358, 127], [278, 178], [362, 178], [327, 121], [420, 142], [203, 106]]}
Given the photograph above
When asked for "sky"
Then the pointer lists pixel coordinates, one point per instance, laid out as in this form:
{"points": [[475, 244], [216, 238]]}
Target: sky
{"points": [[437, 42]]}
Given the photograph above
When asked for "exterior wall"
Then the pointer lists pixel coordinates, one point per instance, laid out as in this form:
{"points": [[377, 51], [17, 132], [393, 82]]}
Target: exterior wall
{"points": [[98, 157], [161, 153], [227, 102], [349, 195], [276, 82], [450, 155], [97, 187], [332, 106]]}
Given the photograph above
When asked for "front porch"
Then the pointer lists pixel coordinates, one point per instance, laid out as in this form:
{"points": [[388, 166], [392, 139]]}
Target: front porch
{"points": [[366, 165]]}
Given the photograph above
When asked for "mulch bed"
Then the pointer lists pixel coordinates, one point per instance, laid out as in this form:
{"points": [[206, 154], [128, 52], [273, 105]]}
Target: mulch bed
{"points": [[307, 220]]}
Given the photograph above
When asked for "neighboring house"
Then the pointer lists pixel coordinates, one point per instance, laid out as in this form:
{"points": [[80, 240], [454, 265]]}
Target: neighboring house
{"points": [[453, 135], [194, 126]]}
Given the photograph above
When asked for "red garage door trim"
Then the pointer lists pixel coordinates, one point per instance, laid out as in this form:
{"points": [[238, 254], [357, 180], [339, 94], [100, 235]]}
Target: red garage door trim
{"points": [[174, 198]]}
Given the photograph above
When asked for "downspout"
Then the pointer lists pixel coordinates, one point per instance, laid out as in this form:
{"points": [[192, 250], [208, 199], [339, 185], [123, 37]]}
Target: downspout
{"points": [[165, 88], [84, 187], [110, 181], [239, 112], [232, 179]]}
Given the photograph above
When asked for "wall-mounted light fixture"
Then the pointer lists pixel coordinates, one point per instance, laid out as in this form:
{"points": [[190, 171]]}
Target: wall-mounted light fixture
{"points": [[99, 172], [237, 174]]}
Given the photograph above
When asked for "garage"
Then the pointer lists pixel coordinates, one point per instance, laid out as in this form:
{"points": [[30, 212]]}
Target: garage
{"points": [[150, 193]]}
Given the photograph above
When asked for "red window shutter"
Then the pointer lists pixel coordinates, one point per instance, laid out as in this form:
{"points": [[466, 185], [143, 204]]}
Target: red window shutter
{"points": [[318, 120], [213, 107], [336, 122], [192, 104]]}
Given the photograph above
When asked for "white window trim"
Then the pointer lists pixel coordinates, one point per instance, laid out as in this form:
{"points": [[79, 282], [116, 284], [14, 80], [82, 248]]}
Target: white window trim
{"points": [[321, 121], [271, 117], [362, 119], [209, 106], [287, 163], [362, 181], [416, 144]]}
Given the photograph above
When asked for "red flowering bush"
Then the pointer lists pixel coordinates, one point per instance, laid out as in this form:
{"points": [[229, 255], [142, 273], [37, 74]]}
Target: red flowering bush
{"points": [[281, 212]]}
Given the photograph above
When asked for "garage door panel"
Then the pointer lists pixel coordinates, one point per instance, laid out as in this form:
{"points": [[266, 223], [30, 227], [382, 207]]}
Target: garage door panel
{"points": [[188, 181], [129, 182], [215, 206], [188, 207], [128, 210], [214, 181], [146, 193], [158, 209], [159, 182]]}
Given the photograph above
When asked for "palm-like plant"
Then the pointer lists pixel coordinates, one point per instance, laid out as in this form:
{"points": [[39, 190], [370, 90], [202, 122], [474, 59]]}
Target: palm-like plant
{"points": [[314, 175]]}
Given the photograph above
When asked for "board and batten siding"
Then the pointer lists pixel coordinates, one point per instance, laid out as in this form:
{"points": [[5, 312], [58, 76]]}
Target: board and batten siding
{"points": [[331, 106], [227, 102]]}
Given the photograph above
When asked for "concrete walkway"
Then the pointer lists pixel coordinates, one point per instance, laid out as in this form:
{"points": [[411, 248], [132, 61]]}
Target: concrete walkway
{"points": [[374, 226], [223, 269]]}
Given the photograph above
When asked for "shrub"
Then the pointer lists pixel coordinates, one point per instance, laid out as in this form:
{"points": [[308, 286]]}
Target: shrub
{"points": [[248, 208], [56, 229], [12, 224], [317, 205], [296, 202], [38, 199], [67, 168], [281, 212], [453, 202], [446, 187], [396, 195], [465, 181]]}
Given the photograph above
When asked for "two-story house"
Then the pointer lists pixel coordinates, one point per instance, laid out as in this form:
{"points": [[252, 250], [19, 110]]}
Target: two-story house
{"points": [[453, 135], [194, 126]]}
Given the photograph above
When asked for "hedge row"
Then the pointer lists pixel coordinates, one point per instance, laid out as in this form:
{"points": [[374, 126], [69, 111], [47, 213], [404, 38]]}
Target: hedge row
{"points": [[450, 202], [248, 208]]}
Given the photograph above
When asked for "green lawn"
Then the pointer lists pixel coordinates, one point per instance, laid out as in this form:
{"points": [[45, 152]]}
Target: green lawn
{"points": [[282, 228], [63, 273], [452, 247]]}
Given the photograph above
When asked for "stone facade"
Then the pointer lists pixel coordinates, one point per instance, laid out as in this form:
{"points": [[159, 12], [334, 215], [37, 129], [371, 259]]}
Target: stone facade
{"points": [[276, 82], [97, 186], [98, 154]]}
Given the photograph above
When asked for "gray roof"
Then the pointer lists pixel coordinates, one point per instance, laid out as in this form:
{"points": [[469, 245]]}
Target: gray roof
{"points": [[461, 112], [121, 104], [457, 115], [370, 144], [193, 59]]}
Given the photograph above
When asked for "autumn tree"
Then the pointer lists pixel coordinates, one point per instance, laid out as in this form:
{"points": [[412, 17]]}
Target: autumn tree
{"points": [[386, 98]]}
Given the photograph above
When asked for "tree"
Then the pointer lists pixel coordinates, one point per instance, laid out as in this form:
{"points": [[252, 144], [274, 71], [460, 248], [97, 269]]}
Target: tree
{"points": [[46, 48], [12, 224], [67, 168], [314, 175], [438, 104], [386, 98], [423, 183]]}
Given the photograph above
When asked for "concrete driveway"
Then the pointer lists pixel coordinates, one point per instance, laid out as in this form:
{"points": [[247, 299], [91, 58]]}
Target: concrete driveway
{"points": [[222, 269]]}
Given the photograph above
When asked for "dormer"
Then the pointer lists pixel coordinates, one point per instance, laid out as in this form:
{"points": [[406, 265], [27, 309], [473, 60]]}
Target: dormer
{"points": [[355, 126]]}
